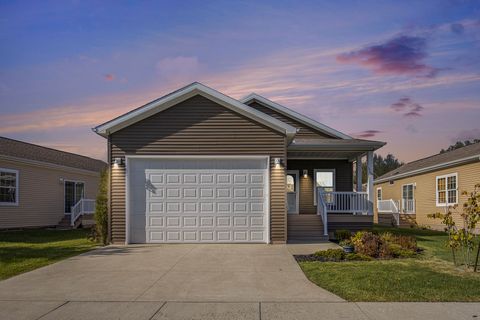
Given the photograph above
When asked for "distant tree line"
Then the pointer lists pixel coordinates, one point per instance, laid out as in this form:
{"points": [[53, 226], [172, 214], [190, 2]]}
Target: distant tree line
{"points": [[381, 165], [460, 144]]}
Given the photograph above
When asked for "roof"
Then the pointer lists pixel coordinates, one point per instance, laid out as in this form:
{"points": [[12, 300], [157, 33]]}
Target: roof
{"points": [[452, 158], [295, 115], [335, 144], [24, 150], [185, 93]]}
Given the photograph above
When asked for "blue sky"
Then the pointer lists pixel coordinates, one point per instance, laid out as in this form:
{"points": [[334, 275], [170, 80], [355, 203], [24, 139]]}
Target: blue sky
{"points": [[404, 72]]}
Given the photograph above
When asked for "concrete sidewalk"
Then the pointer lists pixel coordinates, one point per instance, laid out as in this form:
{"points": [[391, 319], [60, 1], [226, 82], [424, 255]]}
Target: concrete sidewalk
{"points": [[61, 310]]}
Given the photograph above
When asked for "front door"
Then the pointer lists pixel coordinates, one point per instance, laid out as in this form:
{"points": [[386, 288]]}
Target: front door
{"points": [[292, 191]]}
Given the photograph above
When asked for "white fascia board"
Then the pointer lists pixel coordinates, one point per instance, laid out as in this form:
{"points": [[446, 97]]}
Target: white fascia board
{"points": [[183, 94], [295, 115], [430, 168]]}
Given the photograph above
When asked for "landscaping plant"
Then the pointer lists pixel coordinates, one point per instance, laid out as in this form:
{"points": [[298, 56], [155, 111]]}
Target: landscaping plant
{"points": [[101, 209], [464, 238]]}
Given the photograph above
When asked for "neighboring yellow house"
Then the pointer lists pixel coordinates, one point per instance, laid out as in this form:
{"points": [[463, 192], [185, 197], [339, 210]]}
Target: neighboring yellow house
{"points": [[405, 196]]}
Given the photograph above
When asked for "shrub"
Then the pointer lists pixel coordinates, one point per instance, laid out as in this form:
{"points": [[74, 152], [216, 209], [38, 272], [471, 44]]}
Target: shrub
{"points": [[366, 243], [331, 254], [345, 243], [406, 242], [101, 210], [342, 234]]}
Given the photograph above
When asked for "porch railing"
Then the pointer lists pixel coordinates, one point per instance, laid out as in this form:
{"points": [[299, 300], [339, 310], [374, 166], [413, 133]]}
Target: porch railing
{"points": [[390, 206], [345, 202], [83, 206], [322, 211], [408, 206]]}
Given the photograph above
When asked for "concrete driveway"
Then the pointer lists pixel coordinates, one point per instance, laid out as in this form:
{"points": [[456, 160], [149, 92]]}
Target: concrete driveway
{"points": [[197, 273]]}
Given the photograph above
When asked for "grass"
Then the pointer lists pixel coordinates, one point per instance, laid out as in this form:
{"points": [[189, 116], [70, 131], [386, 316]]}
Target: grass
{"points": [[430, 277], [26, 250]]}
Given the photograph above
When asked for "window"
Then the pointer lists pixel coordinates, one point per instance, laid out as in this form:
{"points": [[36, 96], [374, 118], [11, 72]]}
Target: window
{"points": [[74, 191], [446, 189], [324, 179], [379, 194], [290, 183], [408, 202], [8, 187]]}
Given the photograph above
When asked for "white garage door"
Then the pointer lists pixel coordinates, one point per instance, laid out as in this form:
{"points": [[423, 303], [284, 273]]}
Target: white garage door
{"points": [[199, 200]]}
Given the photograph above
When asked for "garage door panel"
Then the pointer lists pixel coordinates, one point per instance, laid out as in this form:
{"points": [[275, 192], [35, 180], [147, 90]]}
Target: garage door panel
{"points": [[200, 205]]}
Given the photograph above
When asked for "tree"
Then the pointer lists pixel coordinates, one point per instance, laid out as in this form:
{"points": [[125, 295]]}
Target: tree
{"points": [[381, 165], [101, 209], [460, 144]]}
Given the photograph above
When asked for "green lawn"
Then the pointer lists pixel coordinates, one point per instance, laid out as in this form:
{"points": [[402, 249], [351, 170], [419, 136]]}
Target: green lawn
{"points": [[22, 251], [430, 277]]}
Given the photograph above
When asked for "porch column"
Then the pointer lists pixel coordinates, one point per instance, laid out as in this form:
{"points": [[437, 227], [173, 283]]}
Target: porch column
{"points": [[370, 181], [359, 174]]}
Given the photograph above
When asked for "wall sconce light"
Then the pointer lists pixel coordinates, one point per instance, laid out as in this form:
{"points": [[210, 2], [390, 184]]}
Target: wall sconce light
{"points": [[117, 161], [277, 162], [305, 173]]}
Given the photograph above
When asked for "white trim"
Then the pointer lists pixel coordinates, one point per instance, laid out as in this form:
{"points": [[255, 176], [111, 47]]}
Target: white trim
{"points": [[413, 184], [49, 165], [295, 115], [185, 93], [315, 182], [381, 194], [75, 190], [446, 176], [17, 190], [127, 184], [430, 168], [297, 190]]}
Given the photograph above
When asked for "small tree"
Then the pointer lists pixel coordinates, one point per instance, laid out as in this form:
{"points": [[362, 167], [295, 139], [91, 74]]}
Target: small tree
{"points": [[101, 209], [463, 238]]}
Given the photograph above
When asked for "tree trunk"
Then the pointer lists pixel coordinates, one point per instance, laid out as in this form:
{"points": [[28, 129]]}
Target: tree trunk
{"points": [[476, 259]]}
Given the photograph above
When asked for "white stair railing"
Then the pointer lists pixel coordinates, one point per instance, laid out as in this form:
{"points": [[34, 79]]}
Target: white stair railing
{"points": [[390, 206], [83, 206], [322, 210]]}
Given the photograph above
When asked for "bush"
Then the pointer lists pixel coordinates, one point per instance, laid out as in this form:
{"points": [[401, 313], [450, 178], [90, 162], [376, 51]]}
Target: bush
{"points": [[101, 210], [331, 254], [342, 234], [406, 242], [366, 243], [346, 243]]}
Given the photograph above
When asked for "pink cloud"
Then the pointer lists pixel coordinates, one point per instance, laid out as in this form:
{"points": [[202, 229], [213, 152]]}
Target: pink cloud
{"points": [[109, 77], [402, 55], [407, 105]]}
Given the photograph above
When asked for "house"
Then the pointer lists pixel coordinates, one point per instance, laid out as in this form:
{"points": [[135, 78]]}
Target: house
{"points": [[407, 195], [199, 166], [39, 186]]}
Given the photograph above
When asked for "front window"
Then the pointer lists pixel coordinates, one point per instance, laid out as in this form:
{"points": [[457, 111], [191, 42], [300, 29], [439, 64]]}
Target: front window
{"points": [[447, 192], [8, 187], [325, 180]]}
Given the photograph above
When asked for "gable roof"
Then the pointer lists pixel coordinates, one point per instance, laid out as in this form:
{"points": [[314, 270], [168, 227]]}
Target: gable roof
{"points": [[14, 149], [295, 115], [185, 93], [452, 158]]}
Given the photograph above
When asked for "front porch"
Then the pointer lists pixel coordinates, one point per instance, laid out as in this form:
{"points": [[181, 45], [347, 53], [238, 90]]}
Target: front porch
{"points": [[324, 187]]}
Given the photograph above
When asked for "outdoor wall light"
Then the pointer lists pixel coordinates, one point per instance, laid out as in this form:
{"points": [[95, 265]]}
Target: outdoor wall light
{"points": [[305, 173], [277, 162], [117, 161]]}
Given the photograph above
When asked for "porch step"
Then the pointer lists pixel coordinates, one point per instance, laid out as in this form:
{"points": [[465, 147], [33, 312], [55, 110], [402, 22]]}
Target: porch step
{"points": [[305, 228]]}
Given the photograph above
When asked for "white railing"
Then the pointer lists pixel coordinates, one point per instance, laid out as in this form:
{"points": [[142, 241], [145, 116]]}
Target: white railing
{"points": [[322, 211], [346, 202], [408, 206], [83, 206], [390, 206]]}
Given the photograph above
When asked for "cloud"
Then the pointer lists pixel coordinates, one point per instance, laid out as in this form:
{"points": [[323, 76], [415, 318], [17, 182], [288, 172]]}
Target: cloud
{"points": [[366, 134], [457, 28], [402, 55], [109, 77], [409, 108]]}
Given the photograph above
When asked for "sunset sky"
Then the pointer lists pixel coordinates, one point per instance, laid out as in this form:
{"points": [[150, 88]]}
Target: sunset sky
{"points": [[404, 72]]}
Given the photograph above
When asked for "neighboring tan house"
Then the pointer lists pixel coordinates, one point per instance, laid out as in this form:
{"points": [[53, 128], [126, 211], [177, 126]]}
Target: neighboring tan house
{"points": [[198, 166], [39, 186], [407, 195]]}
